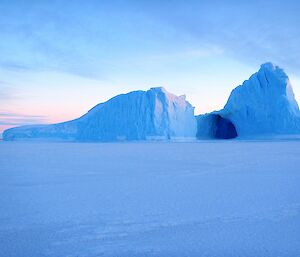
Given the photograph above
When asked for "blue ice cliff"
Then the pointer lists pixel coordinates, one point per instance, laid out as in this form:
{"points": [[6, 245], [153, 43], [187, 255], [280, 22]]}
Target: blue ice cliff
{"points": [[139, 115], [263, 105]]}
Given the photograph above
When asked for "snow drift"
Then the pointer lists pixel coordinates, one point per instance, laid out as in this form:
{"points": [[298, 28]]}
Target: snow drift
{"points": [[138, 115], [263, 105]]}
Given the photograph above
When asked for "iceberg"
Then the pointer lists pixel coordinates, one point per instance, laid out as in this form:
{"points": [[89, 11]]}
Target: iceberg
{"points": [[140, 115], [263, 105]]}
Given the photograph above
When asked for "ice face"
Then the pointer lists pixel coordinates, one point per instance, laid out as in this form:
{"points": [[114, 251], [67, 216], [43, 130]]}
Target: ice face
{"points": [[138, 115], [264, 104]]}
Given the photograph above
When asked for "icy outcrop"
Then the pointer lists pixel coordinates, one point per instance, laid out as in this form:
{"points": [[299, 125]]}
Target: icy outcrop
{"points": [[263, 105], [139, 115]]}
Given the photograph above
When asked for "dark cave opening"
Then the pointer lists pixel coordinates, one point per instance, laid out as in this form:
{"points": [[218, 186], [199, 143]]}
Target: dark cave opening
{"points": [[224, 128]]}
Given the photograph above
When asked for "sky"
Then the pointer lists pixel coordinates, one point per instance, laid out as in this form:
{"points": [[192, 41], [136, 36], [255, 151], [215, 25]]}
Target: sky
{"points": [[59, 58]]}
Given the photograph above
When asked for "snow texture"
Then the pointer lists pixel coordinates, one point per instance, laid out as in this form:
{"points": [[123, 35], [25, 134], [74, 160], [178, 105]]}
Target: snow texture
{"points": [[212, 198], [263, 105], [139, 115]]}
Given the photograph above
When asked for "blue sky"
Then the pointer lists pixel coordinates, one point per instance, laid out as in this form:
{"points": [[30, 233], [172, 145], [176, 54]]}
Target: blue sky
{"points": [[60, 58]]}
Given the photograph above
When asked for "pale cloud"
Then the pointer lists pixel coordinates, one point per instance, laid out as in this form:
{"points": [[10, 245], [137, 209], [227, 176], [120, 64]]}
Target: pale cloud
{"points": [[16, 119], [203, 52], [6, 91]]}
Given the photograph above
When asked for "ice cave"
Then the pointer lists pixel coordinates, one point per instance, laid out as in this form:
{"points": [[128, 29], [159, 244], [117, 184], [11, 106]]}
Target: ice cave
{"points": [[215, 126], [224, 128]]}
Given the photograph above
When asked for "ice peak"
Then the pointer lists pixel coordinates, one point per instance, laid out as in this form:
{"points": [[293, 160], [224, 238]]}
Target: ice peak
{"points": [[270, 70], [268, 66], [158, 89]]}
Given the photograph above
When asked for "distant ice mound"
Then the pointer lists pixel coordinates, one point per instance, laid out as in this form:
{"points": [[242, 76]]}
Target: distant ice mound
{"points": [[139, 115], [263, 105]]}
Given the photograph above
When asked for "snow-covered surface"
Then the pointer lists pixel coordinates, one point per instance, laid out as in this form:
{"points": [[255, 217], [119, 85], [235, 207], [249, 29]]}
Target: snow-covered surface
{"points": [[213, 198], [138, 115], [263, 105]]}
